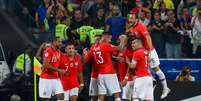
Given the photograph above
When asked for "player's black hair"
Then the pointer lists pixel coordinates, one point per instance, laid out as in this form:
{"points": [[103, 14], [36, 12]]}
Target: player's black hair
{"points": [[69, 43], [134, 38], [55, 39]]}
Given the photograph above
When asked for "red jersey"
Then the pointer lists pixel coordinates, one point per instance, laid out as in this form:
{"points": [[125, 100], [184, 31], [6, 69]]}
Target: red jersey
{"points": [[73, 68], [102, 57], [140, 30], [94, 71], [53, 57], [141, 69], [122, 67]]}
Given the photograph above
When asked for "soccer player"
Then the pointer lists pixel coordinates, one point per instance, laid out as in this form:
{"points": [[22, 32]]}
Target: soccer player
{"points": [[137, 29], [101, 54], [93, 87], [72, 81], [49, 82], [143, 83], [125, 78]]}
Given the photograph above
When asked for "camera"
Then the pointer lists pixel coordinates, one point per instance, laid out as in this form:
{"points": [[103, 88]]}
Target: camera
{"points": [[185, 71]]}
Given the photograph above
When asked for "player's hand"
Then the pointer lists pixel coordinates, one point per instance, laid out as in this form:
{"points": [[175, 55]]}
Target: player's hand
{"points": [[127, 60], [81, 87], [85, 51], [62, 72], [123, 83], [120, 59], [42, 45], [122, 39]]}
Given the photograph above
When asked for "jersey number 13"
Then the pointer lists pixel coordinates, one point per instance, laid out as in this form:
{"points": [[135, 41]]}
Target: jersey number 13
{"points": [[98, 57]]}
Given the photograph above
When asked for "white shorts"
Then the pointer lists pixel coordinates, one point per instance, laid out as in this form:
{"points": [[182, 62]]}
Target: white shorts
{"points": [[154, 59], [49, 87], [143, 88], [127, 91], [93, 87], [71, 92], [108, 84]]}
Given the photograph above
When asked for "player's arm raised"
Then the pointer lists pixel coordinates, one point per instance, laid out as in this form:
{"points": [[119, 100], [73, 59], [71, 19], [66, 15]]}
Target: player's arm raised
{"points": [[149, 41], [87, 55], [144, 31]]}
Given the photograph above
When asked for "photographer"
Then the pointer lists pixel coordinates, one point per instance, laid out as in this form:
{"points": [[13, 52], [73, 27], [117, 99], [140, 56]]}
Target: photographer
{"points": [[185, 75]]}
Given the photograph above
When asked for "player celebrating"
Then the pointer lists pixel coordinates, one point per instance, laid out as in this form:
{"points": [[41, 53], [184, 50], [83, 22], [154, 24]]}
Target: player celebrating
{"points": [[49, 82], [93, 87], [72, 81], [143, 84], [101, 54], [137, 29], [124, 77]]}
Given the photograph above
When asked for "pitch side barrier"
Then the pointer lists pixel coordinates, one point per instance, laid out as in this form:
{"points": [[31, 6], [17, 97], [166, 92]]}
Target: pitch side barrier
{"points": [[180, 91], [172, 67]]}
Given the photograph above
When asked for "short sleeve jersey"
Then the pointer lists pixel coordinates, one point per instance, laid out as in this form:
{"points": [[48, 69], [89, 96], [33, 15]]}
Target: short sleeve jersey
{"points": [[73, 68], [53, 56], [141, 69], [122, 67], [102, 57], [140, 30]]}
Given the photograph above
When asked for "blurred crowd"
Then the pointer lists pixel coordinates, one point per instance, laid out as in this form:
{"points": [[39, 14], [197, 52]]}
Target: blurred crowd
{"points": [[174, 25]]}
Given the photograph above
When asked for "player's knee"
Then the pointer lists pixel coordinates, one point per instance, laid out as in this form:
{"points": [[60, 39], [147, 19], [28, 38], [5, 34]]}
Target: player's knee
{"points": [[117, 99], [101, 97], [116, 95], [94, 98], [136, 99], [60, 96], [73, 98], [156, 69]]}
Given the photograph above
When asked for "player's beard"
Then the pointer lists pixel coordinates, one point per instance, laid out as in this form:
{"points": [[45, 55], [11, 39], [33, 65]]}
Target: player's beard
{"points": [[131, 24], [71, 53], [58, 47]]}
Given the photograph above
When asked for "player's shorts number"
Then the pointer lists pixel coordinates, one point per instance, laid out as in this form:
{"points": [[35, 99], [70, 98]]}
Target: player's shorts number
{"points": [[98, 57]]}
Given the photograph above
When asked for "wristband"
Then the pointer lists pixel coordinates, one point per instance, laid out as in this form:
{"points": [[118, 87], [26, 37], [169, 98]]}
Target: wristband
{"points": [[126, 78], [81, 85]]}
